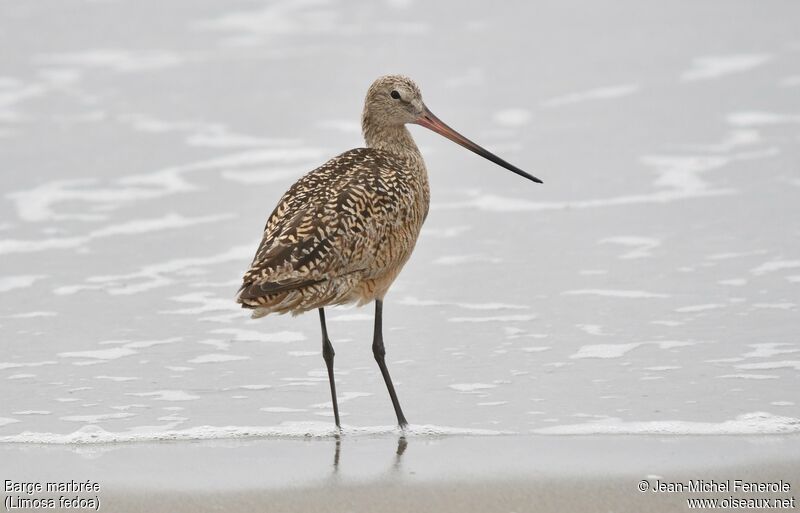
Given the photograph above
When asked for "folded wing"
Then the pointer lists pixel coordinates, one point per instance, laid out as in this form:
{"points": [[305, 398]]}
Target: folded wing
{"points": [[328, 225]]}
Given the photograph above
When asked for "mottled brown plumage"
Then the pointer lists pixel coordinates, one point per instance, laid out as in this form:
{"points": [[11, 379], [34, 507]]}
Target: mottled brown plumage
{"points": [[340, 234]]}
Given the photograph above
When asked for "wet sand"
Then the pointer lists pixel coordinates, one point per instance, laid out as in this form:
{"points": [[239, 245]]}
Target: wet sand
{"points": [[464, 474], [563, 495]]}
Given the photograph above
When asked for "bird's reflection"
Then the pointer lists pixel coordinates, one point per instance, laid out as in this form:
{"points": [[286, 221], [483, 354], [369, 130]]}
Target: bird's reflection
{"points": [[337, 453], [402, 444]]}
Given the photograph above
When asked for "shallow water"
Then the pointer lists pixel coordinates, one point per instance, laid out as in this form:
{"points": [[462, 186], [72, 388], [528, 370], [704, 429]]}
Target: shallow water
{"points": [[651, 285]]}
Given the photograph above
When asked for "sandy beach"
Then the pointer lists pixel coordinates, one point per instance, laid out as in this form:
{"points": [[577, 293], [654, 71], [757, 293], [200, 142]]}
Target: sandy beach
{"points": [[448, 474]]}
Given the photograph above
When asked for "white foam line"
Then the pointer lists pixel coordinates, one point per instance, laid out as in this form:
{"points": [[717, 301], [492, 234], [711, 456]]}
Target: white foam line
{"points": [[14, 92], [118, 378], [448, 232], [699, 308], [618, 350], [201, 133], [775, 265], [356, 317], [706, 68], [127, 349], [734, 139], [413, 301], [591, 329], [217, 358], [760, 118], [167, 222], [100, 354], [38, 204], [17, 365], [495, 318], [97, 418], [166, 395], [243, 335], [207, 302], [472, 387], [602, 93], [627, 294], [251, 27], [786, 364], [218, 136], [748, 376], [641, 246], [302, 430], [735, 254], [466, 259], [262, 176], [9, 283], [756, 423], [733, 282], [494, 203], [770, 349], [32, 315], [684, 172], [679, 174], [154, 275], [775, 306], [121, 61], [605, 350], [241, 159]]}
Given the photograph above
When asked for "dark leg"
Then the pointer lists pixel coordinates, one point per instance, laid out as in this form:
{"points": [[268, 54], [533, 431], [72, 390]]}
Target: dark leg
{"points": [[328, 354], [379, 351]]}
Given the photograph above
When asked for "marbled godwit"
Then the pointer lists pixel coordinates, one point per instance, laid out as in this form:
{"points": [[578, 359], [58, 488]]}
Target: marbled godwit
{"points": [[342, 233]]}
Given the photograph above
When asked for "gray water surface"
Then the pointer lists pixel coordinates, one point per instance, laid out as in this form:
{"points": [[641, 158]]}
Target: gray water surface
{"points": [[651, 285]]}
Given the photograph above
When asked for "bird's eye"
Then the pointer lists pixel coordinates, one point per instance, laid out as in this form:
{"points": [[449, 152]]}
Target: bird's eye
{"points": [[395, 95]]}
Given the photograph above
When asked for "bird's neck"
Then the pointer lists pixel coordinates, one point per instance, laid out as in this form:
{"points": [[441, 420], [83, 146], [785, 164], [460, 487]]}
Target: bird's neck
{"points": [[392, 138]]}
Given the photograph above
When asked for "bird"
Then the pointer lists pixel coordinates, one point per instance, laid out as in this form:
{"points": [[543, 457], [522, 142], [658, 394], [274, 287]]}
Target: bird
{"points": [[342, 233]]}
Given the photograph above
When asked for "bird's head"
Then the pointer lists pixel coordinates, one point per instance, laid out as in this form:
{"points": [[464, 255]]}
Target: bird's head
{"points": [[395, 100]]}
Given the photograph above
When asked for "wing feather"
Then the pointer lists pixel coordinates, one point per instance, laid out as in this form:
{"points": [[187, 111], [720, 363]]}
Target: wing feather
{"points": [[328, 224]]}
